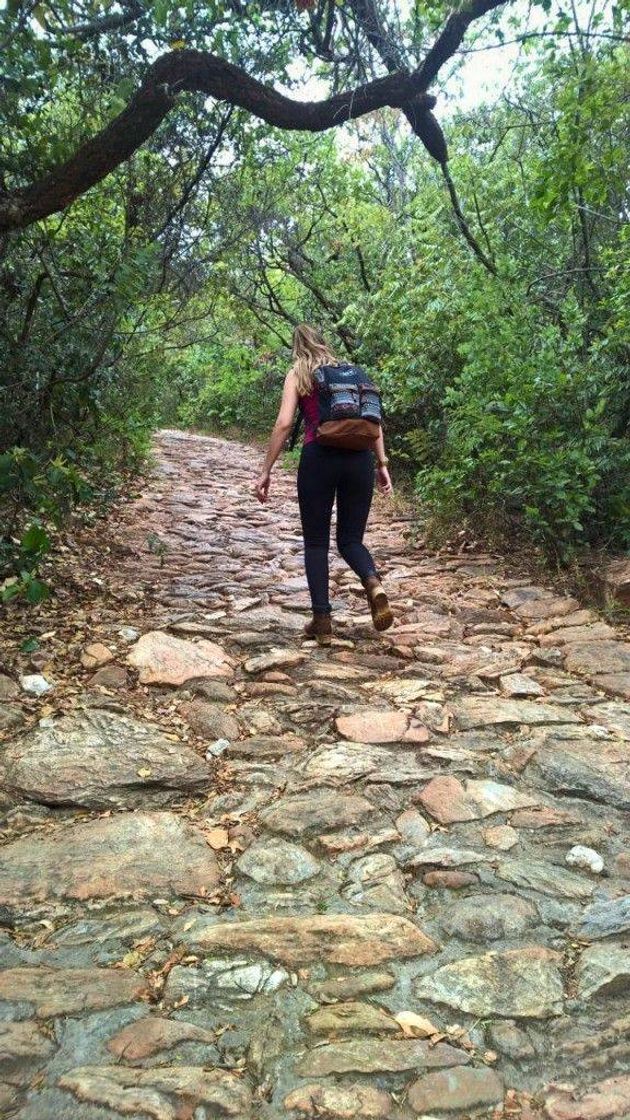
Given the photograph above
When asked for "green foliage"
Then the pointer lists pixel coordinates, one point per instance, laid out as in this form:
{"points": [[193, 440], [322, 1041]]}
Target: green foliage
{"points": [[168, 293]]}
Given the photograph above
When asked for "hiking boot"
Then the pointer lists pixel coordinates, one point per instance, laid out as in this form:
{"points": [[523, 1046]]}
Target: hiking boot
{"points": [[320, 628], [382, 616]]}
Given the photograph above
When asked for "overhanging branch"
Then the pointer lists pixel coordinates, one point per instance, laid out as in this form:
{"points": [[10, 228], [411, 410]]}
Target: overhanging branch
{"points": [[200, 71]]}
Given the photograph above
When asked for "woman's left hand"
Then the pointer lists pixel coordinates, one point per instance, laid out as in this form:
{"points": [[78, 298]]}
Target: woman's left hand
{"points": [[383, 480], [261, 489]]}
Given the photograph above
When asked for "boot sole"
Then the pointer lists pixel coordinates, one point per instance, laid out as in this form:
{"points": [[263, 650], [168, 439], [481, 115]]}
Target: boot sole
{"points": [[382, 616]]}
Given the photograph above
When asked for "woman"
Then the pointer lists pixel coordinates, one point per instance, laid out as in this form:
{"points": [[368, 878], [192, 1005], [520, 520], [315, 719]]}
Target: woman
{"points": [[325, 473]]}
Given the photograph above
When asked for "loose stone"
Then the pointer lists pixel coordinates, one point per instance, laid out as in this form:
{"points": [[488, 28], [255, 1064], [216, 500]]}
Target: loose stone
{"points": [[35, 684], [161, 658], [207, 720], [95, 655], [587, 858]]}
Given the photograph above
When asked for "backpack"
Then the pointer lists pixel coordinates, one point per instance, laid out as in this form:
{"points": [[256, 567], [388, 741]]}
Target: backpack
{"points": [[350, 413]]}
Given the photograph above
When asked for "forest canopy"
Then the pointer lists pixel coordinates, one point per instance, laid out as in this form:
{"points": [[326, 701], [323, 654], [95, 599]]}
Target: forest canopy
{"points": [[182, 183]]}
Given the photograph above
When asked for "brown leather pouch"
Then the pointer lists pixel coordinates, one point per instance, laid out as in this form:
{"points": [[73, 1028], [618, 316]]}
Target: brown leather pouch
{"points": [[351, 435]]}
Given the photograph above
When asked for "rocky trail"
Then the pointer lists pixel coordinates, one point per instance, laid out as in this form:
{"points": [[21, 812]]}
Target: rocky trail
{"points": [[244, 876]]}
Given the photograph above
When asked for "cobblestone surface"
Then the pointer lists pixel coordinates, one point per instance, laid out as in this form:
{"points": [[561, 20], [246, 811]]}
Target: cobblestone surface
{"points": [[244, 876]]}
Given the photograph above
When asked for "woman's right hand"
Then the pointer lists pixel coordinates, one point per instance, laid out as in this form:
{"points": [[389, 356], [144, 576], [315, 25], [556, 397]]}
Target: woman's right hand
{"points": [[261, 489], [383, 480]]}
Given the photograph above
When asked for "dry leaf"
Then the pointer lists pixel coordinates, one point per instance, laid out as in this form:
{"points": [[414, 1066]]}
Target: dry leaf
{"points": [[144, 773], [415, 1026], [218, 838]]}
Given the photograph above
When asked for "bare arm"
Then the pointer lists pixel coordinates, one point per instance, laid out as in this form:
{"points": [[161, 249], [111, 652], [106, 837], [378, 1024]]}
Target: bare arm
{"points": [[280, 431], [382, 474]]}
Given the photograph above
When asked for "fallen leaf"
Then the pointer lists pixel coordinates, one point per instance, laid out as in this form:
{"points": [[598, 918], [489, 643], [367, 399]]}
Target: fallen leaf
{"points": [[218, 838], [415, 1026], [144, 773]]}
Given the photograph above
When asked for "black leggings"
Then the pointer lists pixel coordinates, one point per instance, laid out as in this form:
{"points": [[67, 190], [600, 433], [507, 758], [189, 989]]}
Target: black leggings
{"points": [[324, 472]]}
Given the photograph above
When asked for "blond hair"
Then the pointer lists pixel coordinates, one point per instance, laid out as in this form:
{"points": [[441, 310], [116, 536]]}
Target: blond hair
{"points": [[310, 350]]}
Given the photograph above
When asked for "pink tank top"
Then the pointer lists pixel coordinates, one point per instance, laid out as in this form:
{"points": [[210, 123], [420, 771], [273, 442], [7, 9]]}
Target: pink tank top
{"points": [[309, 406]]}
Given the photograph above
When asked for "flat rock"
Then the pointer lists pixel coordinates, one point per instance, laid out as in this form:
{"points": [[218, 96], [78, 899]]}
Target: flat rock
{"points": [[502, 837], [161, 658], [616, 684], [150, 1092], [604, 970], [597, 658], [448, 800], [616, 717], [368, 1055], [23, 1049], [216, 981], [604, 919], [335, 938], [348, 987], [317, 810], [545, 878], [520, 685], [274, 860], [516, 983], [408, 691], [489, 918], [443, 855], [353, 1016], [487, 711], [595, 769], [136, 854], [109, 677], [376, 726], [153, 1034], [455, 1089], [375, 881], [267, 746], [602, 1101], [274, 659], [69, 991], [343, 762], [100, 759], [449, 880], [340, 1102]]}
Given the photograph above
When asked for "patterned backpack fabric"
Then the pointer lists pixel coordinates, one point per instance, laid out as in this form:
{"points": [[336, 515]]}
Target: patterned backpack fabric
{"points": [[350, 414]]}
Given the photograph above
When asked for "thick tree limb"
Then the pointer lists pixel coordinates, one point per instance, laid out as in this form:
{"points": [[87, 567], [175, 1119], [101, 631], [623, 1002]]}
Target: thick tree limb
{"points": [[199, 71]]}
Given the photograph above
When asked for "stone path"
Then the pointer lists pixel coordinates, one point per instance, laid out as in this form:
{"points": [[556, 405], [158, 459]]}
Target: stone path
{"points": [[243, 876]]}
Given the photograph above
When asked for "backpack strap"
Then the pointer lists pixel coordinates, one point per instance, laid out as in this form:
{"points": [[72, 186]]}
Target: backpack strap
{"points": [[296, 429]]}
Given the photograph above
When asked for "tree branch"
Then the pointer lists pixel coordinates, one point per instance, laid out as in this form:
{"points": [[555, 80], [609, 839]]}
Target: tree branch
{"points": [[192, 70]]}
